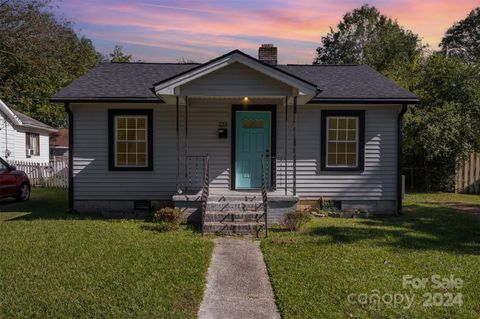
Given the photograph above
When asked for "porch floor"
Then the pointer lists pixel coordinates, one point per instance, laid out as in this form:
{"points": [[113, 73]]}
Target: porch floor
{"points": [[227, 193]]}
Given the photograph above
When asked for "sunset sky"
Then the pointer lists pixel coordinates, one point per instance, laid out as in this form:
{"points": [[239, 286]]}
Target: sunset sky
{"points": [[165, 31]]}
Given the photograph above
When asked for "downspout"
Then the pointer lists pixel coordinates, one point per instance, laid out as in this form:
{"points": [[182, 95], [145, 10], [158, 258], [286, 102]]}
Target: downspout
{"points": [[399, 158], [70, 157], [186, 145], [294, 146], [286, 145], [177, 125]]}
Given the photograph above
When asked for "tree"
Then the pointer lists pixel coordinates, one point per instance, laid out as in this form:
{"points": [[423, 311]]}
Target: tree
{"points": [[39, 55], [445, 126], [463, 38], [119, 56], [186, 61], [365, 36]]}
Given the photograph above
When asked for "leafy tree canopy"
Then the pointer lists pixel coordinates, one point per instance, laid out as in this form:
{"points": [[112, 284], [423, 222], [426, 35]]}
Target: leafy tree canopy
{"points": [[463, 38], [445, 126], [186, 61], [448, 120], [39, 55], [365, 36], [119, 56]]}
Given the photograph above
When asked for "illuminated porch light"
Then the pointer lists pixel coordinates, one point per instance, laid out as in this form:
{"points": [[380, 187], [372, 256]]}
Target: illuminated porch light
{"points": [[246, 99]]}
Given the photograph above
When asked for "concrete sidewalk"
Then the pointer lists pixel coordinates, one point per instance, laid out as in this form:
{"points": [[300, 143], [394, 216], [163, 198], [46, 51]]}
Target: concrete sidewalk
{"points": [[237, 283]]}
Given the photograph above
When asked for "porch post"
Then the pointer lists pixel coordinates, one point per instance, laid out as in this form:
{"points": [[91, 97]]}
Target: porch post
{"points": [[294, 145], [177, 120], [286, 145], [186, 142]]}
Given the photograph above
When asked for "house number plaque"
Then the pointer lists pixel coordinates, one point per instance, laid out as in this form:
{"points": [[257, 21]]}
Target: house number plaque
{"points": [[222, 130]]}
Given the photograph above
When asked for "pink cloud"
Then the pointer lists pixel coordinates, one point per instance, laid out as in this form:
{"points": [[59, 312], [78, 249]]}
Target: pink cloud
{"points": [[429, 18], [207, 27], [277, 23]]}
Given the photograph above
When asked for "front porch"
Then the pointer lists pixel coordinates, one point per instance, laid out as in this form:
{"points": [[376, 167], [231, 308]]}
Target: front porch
{"points": [[214, 185], [236, 140]]}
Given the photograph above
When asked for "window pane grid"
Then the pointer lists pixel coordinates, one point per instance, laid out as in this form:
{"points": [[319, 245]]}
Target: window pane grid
{"points": [[342, 134], [131, 141]]}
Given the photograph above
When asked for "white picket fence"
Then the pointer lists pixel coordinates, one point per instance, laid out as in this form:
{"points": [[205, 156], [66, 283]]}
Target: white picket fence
{"points": [[52, 174]]}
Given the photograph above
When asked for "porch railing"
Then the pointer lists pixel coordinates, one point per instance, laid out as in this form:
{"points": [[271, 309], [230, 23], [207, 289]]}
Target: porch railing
{"points": [[205, 189], [264, 194], [273, 172]]}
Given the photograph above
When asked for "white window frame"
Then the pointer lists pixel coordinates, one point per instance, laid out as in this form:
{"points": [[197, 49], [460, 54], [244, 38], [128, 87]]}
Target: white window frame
{"points": [[29, 137], [357, 129], [115, 154]]}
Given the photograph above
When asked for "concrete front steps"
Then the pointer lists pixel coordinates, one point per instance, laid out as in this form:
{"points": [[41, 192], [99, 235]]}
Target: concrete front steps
{"points": [[234, 212], [234, 216], [234, 206], [234, 228]]}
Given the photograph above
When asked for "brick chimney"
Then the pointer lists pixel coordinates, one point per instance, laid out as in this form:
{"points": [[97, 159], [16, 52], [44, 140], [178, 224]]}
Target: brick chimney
{"points": [[267, 53]]}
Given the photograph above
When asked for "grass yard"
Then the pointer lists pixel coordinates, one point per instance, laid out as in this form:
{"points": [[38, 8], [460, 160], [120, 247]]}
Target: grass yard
{"points": [[57, 265], [314, 272]]}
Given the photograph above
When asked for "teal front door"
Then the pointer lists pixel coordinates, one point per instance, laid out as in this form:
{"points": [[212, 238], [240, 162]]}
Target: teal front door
{"points": [[253, 132]]}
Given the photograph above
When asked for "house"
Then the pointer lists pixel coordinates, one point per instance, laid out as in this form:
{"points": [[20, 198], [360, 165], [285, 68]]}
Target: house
{"points": [[23, 138], [59, 143], [140, 134]]}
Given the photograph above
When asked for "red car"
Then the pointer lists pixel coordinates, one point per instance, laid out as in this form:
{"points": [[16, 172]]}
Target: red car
{"points": [[13, 183]]}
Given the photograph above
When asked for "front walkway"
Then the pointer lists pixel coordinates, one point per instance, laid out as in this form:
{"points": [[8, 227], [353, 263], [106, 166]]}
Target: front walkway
{"points": [[237, 283]]}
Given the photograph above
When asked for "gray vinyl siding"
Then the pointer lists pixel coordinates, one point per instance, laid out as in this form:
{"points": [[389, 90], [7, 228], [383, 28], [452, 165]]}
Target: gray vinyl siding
{"points": [[93, 180], [236, 80], [376, 182], [204, 117]]}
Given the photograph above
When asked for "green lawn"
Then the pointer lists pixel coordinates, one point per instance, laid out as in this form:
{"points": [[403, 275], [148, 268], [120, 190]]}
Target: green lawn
{"points": [[315, 271], [439, 198], [57, 265]]}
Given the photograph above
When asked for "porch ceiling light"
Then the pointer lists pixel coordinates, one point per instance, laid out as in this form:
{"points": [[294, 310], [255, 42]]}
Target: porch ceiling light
{"points": [[246, 99]]}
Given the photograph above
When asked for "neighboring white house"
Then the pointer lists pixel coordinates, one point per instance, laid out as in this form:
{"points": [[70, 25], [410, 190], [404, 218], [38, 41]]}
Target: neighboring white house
{"points": [[23, 138]]}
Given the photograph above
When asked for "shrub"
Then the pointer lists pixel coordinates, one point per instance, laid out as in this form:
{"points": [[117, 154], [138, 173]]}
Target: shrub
{"points": [[295, 221], [329, 205], [169, 218]]}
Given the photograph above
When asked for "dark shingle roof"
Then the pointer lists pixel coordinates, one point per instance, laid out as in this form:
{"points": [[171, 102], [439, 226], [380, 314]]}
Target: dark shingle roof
{"points": [[349, 82], [135, 80], [27, 120], [121, 80]]}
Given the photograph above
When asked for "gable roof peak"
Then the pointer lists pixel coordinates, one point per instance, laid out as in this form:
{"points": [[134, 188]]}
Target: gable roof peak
{"points": [[20, 119], [168, 84]]}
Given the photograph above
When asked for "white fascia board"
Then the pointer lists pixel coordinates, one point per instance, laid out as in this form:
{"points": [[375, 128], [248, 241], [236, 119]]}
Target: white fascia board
{"points": [[168, 88], [48, 130], [6, 110]]}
